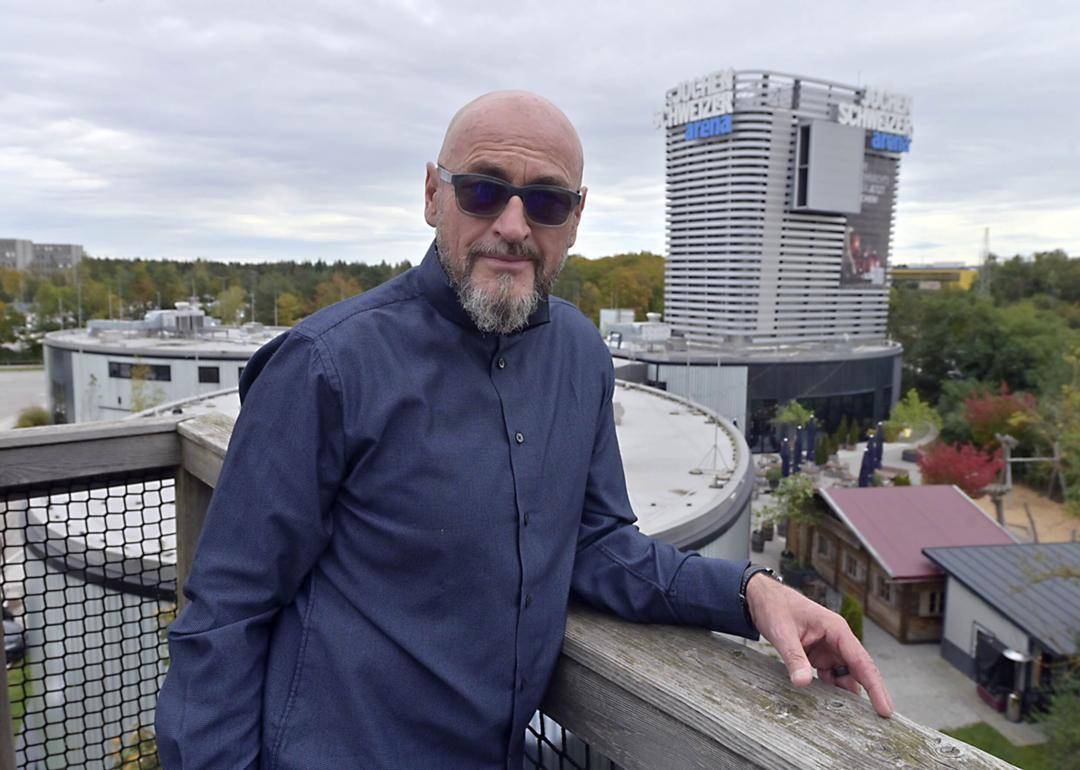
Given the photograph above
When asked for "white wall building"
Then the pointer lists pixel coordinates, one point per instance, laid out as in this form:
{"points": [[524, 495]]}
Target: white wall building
{"points": [[112, 368]]}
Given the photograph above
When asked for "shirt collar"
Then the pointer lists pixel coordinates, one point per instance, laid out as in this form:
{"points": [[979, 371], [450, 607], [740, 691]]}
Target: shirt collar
{"points": [[438, 291]]}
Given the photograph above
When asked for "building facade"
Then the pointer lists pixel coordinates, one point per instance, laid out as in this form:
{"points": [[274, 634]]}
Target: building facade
{"points": [[781, 192], [113, 368], [23, 255]]}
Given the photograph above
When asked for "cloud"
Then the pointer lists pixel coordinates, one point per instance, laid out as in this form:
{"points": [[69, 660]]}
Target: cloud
{"points": [[267, 129]]}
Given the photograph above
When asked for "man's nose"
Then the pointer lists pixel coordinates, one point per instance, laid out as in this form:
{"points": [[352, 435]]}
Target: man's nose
{"points": [[511, 224]]}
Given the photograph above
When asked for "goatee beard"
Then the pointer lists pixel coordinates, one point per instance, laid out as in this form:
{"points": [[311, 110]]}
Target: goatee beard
{"points": [[496, 309]]}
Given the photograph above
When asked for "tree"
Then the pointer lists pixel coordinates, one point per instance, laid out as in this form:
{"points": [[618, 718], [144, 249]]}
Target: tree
{"points": [[989, 414], [1061, 722], [336, 288], [963, 465], [910, 413], [230, 304], [793, 413], [289, 309], [144, 396]]}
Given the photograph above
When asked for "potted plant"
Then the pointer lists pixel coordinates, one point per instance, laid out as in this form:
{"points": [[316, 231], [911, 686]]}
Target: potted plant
{"points": [[773, 475], [796, 504]]}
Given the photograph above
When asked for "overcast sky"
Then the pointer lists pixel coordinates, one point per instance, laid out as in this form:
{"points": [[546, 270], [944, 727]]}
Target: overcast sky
{"points": [[283, 129]]}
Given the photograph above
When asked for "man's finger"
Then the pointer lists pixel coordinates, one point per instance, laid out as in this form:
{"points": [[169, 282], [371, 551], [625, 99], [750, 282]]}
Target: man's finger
{"points": [[865, 673]]}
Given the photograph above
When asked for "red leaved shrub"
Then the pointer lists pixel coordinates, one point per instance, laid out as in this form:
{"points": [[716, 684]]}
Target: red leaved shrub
{"points": [[964, 465]]}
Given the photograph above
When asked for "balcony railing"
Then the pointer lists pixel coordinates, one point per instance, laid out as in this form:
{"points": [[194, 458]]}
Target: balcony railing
{"points": [[95, 516]]}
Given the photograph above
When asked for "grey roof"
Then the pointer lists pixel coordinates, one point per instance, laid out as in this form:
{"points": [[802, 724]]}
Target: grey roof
{"points": [[1036, 586]]}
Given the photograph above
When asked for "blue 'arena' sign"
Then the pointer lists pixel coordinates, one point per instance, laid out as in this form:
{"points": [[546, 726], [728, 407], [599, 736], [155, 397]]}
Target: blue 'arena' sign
{"points": [[703, 129], [879, 140]]}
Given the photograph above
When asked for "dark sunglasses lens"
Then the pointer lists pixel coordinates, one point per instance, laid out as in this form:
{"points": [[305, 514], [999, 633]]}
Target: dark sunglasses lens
{"points": [[482, 197], [548, 207]]}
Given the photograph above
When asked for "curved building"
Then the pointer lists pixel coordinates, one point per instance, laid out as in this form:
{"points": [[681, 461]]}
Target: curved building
{"points": [[113, 368], [688, 470]]}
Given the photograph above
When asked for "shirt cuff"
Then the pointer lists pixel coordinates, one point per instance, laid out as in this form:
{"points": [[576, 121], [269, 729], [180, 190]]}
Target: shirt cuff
{"points": [[707, 594]]}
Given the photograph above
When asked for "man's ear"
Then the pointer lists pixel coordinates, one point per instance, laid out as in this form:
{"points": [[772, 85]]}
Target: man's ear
{"points": [[575, 219], [431, 186]]}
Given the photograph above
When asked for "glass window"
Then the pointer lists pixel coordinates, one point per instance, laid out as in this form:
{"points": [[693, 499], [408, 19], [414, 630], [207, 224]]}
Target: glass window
{"points": [[884, 589], [209, 374], [931, 603], [123, 370]]}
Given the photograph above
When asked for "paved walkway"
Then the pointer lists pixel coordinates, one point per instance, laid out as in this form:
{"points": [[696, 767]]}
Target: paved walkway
{"points": [[924, 687], [20, 388]]}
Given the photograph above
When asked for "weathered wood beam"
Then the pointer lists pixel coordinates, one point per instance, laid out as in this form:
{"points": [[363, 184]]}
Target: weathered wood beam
{"points": [[663, 696], [58, 453]]}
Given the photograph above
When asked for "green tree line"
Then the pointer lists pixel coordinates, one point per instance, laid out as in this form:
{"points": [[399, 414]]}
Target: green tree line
{"points": [[275, 292]]}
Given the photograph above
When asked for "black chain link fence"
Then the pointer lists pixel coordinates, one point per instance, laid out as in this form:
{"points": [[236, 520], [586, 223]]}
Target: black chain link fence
{"points": [[89, 580]]}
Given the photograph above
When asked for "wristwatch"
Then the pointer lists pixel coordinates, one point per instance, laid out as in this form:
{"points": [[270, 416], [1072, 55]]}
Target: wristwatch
{"points": [[751, 570]]}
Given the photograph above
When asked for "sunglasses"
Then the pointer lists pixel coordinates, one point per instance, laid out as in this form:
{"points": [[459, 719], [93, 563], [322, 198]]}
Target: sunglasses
{"points": [[486, 196]]}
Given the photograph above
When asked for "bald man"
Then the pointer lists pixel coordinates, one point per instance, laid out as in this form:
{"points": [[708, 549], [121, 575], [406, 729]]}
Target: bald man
{"points": [[419, 479]]}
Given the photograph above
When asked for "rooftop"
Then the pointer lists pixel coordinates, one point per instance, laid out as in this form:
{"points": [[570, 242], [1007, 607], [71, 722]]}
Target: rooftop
{"points": [[217, 341], [895, 524], [1028, 583], [685, 468]]}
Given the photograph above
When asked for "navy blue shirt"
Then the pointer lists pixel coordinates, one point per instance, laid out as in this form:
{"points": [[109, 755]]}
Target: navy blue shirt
{"points": [[404, 510]]}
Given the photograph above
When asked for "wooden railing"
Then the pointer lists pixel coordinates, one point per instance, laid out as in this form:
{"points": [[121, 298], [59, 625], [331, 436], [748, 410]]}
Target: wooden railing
{"points": [[644, 696]]}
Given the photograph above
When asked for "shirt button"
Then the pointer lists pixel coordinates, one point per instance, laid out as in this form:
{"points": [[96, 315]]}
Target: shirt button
{"points": [[519, 437], [521, 686], [528, 599], [525, 519], [501, 363]]}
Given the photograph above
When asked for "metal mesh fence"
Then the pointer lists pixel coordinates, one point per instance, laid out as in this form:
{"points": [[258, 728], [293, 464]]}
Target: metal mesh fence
{"points": [[89, 587], [89, 580]]}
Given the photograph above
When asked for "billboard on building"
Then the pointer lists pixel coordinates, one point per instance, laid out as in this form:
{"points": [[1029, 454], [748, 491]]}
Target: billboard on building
{"points": [[868, 236]]}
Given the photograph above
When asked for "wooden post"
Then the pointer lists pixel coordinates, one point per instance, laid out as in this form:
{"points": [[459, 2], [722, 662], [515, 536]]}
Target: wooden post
{"points": [[203, 443], [192, 500]]}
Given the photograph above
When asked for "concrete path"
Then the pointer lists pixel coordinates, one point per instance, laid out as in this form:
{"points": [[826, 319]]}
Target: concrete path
{"points": [[20, 388]]}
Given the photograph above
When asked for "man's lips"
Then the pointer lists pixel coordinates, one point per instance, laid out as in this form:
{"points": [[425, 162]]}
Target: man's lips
{"points": [[506, 262]]}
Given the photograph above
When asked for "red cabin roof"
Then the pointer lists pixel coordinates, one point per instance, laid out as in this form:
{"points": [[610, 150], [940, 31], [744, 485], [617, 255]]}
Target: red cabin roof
{"points": [[895, 523]]}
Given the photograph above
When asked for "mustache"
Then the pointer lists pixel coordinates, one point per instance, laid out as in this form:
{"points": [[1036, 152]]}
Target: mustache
{"points": [[521, 250]]}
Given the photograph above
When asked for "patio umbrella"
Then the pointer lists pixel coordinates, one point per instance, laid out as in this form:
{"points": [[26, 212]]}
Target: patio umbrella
{"points": [[811, 439], [785, 458]]}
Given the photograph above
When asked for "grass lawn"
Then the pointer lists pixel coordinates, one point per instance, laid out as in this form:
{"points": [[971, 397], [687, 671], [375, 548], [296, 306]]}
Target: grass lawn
{"points": [[18, 690], [985, 737]]}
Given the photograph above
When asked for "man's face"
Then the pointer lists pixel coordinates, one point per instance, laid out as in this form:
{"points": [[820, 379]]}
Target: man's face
{"points": [[502, 267]]}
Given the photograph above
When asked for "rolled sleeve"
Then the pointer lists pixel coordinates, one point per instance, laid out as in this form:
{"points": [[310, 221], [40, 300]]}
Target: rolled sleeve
{"points": [[621, 570], [268, 522]]}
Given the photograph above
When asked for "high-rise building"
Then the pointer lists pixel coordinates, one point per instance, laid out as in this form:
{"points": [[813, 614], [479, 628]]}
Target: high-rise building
{"points": [[781, 192]]}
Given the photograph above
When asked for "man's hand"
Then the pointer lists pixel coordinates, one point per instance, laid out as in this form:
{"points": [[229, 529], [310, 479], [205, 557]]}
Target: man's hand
{"points": [[809, 637]]}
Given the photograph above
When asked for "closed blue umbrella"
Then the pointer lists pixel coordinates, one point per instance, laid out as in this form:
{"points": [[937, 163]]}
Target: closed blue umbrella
{"points": [[785, 458], [811, 439], [796, 460], [879, 452], [866, 470]]}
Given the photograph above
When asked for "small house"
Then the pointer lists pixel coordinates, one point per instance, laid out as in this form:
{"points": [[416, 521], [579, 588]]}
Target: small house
{"points": [[1013, 615], [871, 543]]}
